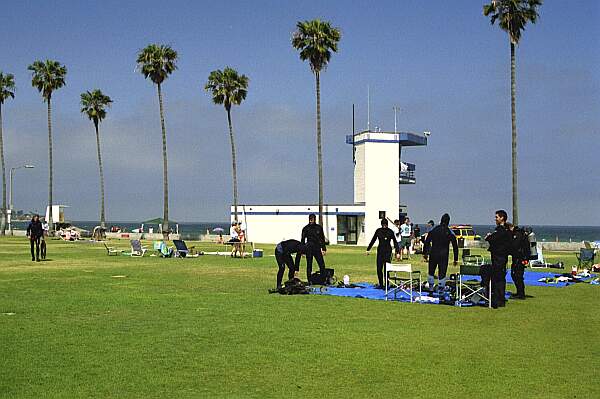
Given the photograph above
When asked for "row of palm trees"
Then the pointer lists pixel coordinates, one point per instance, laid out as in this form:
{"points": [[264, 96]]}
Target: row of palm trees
{"points": [[315, 41]]}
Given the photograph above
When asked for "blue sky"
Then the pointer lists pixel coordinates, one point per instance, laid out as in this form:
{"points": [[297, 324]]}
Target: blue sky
{"points": [[440, 61]]}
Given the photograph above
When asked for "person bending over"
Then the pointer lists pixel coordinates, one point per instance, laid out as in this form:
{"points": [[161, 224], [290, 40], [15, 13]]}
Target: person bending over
{"points": [[283, 256], [436, 250], [314, 239], [385, 236], [35, 232]]}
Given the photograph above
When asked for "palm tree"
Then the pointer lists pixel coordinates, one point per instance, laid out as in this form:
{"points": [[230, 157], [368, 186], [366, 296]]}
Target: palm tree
{"points": [[7, 89], [316, 40], [512, 16], [48, 76], [157, 62], [93, 104], [229, 88]]}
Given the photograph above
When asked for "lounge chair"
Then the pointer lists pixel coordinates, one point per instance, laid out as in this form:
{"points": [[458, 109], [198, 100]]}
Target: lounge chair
{"points": [[112, 250], [137, 249], [163, 250], [182, 250]]}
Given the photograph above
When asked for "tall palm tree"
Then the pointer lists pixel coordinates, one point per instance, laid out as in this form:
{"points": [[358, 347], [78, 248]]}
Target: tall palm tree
{"points": [[229, 88], [315, 40], [7, 90], [157, 62], [94, 104], [48, 76], [512, 16]]}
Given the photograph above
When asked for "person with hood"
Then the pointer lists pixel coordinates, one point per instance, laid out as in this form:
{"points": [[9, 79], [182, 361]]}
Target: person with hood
{"points": [[386, 237], [436, 251], [314, 239], [283, 256]]}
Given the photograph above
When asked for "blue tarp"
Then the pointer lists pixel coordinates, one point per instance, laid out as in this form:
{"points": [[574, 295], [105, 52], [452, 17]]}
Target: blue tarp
{"points": [[532, 279]]}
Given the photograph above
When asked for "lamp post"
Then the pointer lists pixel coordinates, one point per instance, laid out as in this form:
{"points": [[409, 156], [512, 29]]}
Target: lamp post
{"points": [[10, 196]]}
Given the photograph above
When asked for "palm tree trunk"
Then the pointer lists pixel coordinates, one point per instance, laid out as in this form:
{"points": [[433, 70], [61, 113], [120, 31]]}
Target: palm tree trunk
{"points": [[319, 151], [233, 165], [102, 219], [165, 225], [50, 213], [3, 213], [513, 111]]}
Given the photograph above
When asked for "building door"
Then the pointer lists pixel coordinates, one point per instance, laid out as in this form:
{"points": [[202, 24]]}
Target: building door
{"points": [[347, 229]]}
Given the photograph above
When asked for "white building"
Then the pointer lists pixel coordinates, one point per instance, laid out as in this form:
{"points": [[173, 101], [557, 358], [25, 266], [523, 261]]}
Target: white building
{"points": [[378, 173]]}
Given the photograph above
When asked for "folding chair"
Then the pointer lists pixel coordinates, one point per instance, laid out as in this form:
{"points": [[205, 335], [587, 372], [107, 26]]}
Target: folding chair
{"points": [[585, 256], [112, 250], [473, 291], [401, 284], [137, 249]]}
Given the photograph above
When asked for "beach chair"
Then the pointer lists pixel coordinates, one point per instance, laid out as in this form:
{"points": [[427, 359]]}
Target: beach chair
{"points": [[182, 250], [471, 290], [137, 249], [163, 249], [112, 250], [405, 283], [585, 257]]}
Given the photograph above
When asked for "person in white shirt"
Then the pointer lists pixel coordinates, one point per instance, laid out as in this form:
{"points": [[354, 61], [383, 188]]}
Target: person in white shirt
{"points": [[405, 237], [234, 238]]}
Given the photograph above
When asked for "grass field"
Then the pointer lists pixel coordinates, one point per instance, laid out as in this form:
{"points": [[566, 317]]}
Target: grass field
{"points": [[206, 327]]}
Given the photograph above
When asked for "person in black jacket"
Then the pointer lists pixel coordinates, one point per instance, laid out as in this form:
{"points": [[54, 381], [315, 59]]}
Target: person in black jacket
{"points": [[314, 239], [500, 247], [386, 236], [283, 256], [521, 252], [35, 232], [436, 250]]}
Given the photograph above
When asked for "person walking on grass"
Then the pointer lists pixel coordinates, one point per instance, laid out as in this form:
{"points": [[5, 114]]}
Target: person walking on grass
{"points": [[385, 236], [35, 232], [436, 251]]}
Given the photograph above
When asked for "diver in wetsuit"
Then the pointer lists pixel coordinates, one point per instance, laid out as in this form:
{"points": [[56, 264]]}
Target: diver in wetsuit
{"points": [[283, 256], [314, 239], [436, 251], [384, 251]]}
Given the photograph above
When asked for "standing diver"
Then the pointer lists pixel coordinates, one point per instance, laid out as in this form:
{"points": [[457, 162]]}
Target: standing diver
{"points": [[35, 232], [500, 247], [521, 252], [283, 256], [437, 250], [385, 235], [314, 238]]}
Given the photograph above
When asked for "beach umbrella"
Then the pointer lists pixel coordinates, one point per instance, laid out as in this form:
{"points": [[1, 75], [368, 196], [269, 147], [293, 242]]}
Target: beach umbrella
{"points": [[158, 221], [218, 230]]}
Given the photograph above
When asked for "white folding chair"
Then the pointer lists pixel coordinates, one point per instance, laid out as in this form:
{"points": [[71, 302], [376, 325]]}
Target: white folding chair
{"points": [[472, 291], [401, 284]]}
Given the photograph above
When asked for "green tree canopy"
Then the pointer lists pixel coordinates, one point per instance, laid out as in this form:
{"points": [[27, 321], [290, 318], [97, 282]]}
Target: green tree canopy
{"points": [[227, 86], [512, 15], [157, 62], [7, 86], [47, 76], [316, 40], [94, 104]]}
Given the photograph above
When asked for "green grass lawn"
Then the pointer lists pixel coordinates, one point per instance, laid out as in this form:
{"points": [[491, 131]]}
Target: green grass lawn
{"points": [[206, 327]]}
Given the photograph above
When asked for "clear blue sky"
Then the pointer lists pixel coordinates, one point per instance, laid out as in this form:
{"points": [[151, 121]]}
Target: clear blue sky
{"points": [[440, 61]]}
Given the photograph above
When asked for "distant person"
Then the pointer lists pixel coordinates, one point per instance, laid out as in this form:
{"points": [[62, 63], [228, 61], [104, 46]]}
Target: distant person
{"points": [[283, 256], [35, 232], [436, 251], [386, 237], [521, 253], [314, 239], [234, 240], [500, 247], [242, 237], [405, 236]]}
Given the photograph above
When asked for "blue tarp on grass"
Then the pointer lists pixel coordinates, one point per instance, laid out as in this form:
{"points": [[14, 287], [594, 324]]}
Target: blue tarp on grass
{"points": [[532, 279]]}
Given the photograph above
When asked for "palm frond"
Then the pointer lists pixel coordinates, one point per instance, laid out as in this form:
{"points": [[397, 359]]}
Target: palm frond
{"points": [[316, 40], [512, 15], [7, 86], [227, 87], [94, 104], [157, 62]]}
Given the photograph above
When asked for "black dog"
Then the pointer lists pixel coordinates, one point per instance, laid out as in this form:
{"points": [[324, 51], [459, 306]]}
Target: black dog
{"points": [[43, 249]]}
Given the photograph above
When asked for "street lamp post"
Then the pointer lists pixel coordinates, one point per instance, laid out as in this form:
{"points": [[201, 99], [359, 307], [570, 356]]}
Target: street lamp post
{"points": [[10, 196]]}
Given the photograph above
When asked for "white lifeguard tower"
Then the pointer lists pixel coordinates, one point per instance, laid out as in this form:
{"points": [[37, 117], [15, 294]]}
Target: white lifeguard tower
{"points": [[378, 174]]}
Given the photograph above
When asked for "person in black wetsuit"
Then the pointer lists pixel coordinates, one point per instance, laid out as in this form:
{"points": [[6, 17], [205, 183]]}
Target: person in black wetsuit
{"points": [[35, 232], [500, 247], [436, 250], [314, 239], [283, 256], [386, 236], [521, 252]]}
